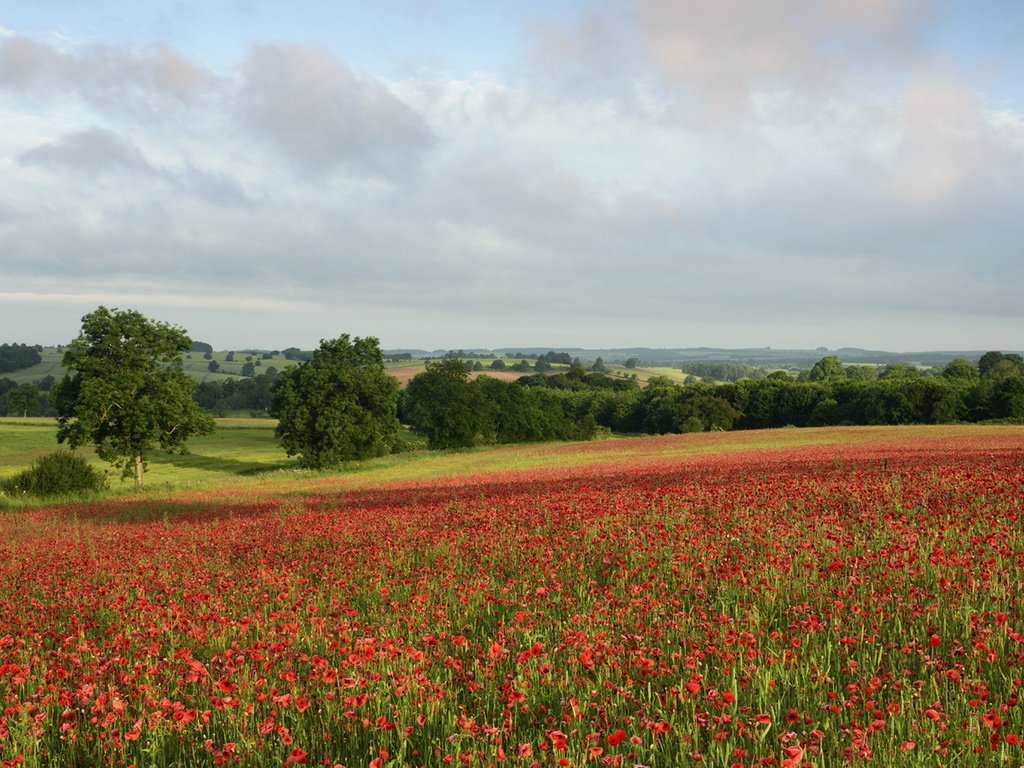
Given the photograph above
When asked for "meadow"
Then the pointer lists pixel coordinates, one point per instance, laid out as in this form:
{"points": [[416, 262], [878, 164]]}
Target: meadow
{"points": [[814, 597], [237, 448]]}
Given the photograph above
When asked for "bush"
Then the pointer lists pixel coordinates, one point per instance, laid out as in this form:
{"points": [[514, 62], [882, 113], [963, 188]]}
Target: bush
{"points": [[55, 474]]}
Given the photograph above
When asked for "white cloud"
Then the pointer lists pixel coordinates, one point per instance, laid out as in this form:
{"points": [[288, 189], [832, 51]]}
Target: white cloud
{"points": [[148, 83], [724, 51], [95, 151], [321, 115]]}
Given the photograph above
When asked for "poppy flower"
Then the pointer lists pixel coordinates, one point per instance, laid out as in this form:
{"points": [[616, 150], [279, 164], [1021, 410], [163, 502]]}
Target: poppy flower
{"points": [[792, 757]]}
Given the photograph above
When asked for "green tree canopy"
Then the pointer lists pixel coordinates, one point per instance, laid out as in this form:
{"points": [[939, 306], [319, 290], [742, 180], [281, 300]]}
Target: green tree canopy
{"points": [[338, 406], [960, 370], [23, 400], [441, 404], [829, 368], [126, 391]]}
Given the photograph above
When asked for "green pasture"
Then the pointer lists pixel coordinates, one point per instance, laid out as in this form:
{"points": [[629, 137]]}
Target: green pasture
{"points": [[197, 366], [236, 449]]}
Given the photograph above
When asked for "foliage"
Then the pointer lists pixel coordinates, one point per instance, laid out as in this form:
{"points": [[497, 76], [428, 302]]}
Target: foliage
{"points": [[23, 400], [126, 392], [555, 358], [56, 474], [14, 357], [252, 395], [829, 368], [722, 370], [576, 403], [443, 406], [338, 406], [960, 370]]}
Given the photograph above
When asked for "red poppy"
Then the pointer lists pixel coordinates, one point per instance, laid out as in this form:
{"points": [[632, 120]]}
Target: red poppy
{"points": [[792, 757]]}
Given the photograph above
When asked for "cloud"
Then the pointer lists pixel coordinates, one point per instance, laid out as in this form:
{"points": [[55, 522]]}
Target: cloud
{"points": [[658, 177], [707, 60], [144, 83], [594, 57], [723, 51], [95, 151], [322, 115], [101, 154]]}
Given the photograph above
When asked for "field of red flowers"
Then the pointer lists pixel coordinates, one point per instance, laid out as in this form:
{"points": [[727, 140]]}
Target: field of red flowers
{"points": [[845, 604]]}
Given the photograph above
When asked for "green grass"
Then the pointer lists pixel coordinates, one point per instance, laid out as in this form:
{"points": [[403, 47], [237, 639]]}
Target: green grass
{"points": [[237, 448], [22, 441], [644, 374]]}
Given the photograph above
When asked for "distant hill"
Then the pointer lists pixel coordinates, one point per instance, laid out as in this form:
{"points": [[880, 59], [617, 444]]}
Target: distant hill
{"points": [[233, 364], [765, 356]]}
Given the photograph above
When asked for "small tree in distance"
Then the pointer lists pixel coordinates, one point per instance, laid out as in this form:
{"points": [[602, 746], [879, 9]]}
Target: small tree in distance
{"points": [[126, 391], [339, 405], [23, 400]]}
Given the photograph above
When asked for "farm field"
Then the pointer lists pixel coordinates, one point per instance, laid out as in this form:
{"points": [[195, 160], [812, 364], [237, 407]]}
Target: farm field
{"points": [[787, 598]]}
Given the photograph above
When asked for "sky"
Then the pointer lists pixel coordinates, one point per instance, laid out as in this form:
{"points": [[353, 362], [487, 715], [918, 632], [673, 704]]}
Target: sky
{"points": [[565, 173]]}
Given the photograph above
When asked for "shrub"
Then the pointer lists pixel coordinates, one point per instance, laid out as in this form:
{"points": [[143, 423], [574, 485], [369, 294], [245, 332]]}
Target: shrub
{"points": [[62, 472]]}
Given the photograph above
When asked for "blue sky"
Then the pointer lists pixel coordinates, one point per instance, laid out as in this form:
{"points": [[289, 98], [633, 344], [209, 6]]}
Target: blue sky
{"points": [[667, 173]]}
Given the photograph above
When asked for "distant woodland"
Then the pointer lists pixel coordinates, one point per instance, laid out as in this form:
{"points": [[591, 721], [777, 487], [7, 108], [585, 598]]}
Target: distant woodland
{"points": [[556, 401], [451, 410]]}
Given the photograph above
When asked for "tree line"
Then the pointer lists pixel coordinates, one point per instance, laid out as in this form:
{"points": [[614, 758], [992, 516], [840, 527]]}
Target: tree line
{"points": [[127, 394], [452, 410]]}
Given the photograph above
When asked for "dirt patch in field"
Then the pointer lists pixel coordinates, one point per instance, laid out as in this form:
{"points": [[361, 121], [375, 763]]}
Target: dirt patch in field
{"points": [[405, 374]]}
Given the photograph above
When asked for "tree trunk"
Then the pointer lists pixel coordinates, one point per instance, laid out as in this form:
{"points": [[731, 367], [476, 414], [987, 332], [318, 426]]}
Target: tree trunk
{"points": [[138, 471]]}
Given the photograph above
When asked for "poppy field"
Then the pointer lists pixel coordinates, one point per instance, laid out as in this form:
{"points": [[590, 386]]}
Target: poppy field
{"points": [[842, 603]]}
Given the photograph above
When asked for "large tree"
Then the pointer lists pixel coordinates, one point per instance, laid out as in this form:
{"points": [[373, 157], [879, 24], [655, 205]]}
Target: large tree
{"points": [[126, 391], [339, 405]]}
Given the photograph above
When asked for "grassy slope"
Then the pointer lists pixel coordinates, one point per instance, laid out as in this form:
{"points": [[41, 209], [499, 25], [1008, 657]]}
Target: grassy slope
{"points": [[49, 366]]}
